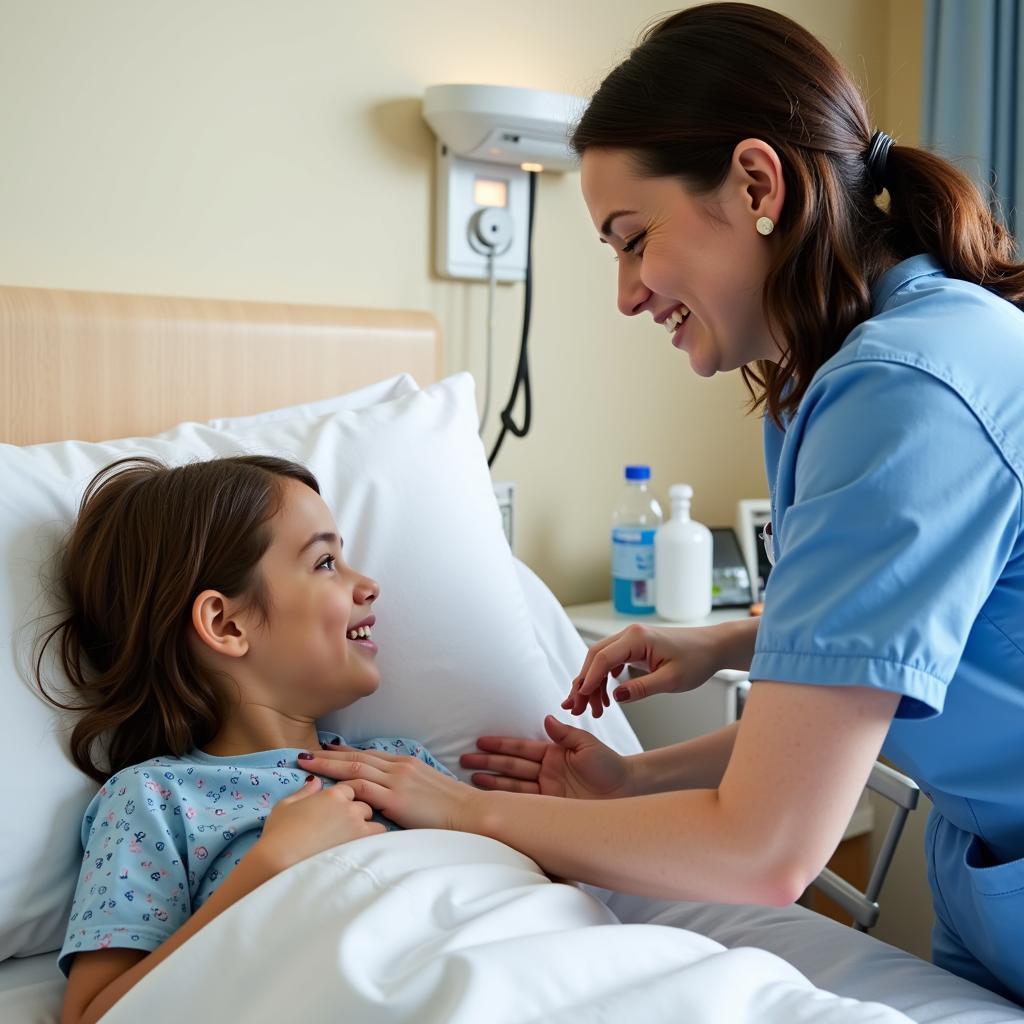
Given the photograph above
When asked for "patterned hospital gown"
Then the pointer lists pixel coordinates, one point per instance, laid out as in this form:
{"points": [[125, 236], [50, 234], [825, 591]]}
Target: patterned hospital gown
{"points": [[159, 838]]}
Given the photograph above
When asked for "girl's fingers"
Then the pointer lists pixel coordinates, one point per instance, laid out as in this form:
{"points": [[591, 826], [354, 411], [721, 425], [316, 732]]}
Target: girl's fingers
{"points": [[512, 767], [484, 781]]}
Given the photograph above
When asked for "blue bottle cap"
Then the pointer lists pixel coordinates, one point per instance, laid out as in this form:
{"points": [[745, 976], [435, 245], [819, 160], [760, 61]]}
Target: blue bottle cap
{"points": [[638, 472]]}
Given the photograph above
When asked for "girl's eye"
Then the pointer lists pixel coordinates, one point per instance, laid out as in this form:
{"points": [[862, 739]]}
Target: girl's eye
{"points": [[327, 560]]}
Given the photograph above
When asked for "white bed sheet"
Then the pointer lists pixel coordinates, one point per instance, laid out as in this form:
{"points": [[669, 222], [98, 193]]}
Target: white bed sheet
{"points": [[831, 955], [435, 927], [31, 990]]}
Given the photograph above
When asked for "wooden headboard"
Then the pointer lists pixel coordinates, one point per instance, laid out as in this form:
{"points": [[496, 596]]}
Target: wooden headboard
{"points": [[93, 366]]}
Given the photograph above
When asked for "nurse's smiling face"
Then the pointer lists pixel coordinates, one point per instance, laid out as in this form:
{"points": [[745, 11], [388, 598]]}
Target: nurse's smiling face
{"points": [[678, 251]]}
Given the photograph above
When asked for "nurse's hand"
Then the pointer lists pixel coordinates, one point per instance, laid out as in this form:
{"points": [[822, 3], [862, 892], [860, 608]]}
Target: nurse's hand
{"points": [[577, 765], [404, 789], [677, 658]]}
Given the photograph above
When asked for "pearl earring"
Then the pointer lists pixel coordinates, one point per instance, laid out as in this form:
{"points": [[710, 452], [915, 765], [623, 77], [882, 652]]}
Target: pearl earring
{"points": [[765, 225]]}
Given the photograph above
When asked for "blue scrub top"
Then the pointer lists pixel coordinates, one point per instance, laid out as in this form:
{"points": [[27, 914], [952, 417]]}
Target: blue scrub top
{"points": [[896, 515]]}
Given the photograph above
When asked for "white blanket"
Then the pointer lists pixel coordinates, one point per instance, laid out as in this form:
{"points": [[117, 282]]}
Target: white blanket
{"points": [[430, 926]]}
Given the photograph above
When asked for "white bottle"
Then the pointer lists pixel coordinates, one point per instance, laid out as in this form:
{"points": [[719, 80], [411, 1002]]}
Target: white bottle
{"points": [[682, 562]]}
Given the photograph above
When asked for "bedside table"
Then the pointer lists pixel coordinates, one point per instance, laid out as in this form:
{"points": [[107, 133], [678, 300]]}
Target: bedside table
{"points": [[664, 719]]}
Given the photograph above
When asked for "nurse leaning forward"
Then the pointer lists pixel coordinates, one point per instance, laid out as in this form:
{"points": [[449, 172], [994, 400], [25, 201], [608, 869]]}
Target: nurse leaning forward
{"points": [[730, 165]]}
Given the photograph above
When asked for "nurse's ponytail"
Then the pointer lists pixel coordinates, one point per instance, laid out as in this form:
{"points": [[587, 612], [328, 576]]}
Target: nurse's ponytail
{"points": [[936, 208], [704, 79]]}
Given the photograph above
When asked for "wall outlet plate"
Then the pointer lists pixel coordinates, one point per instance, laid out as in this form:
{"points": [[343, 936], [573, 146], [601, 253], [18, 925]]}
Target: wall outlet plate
{"points": [[460, 183]]}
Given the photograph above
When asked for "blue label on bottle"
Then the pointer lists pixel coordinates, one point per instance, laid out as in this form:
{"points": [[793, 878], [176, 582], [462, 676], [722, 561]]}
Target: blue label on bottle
{"points": [[633, 570]]}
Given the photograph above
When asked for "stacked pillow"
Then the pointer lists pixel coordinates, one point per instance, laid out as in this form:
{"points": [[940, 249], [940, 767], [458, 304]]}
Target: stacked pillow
{"points": [[471, 642]]}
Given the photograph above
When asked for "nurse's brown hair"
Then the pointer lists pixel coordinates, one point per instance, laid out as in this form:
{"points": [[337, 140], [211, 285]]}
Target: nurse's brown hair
{"points": [[702, 80], [147, 541]]}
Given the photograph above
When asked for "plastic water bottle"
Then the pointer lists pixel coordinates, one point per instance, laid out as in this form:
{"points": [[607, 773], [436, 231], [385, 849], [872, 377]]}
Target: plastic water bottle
{"points": [[682, 562], [634, 522]]}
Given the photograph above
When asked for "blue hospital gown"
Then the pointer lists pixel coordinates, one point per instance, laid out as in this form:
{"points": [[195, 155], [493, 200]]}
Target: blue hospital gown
{"points": [[159, 838]]}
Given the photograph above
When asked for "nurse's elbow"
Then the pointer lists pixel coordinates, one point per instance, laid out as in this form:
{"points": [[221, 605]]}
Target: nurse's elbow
{"points": [[784, 886], [781, 881]]}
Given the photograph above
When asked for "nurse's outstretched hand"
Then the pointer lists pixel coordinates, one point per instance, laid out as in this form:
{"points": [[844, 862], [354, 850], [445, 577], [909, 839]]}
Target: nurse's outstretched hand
{"points": [[677, 659], [576, 764]]}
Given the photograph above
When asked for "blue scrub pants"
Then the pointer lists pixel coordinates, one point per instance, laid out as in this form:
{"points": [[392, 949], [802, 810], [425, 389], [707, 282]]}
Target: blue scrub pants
{"points": [[979, 909]]}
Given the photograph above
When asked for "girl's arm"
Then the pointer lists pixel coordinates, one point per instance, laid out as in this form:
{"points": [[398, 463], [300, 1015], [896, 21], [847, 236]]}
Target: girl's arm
{"points": [[298, 826], [100, 977]]}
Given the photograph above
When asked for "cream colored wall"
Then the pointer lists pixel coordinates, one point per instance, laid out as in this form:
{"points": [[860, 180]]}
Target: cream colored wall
{"points": [[276, 151]]}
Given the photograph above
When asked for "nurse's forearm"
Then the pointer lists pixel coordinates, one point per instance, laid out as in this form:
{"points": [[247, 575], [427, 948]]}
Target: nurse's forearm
{"points": [[699, 763], [695, 764], [680, 846], [800, 759]]}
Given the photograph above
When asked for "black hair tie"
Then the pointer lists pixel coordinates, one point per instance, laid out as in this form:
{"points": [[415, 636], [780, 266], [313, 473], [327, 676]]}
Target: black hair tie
{"points": [[877, 157]]}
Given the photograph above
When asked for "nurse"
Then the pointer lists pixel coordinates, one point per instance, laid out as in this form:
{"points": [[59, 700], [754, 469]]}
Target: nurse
{"points": [[730, 166]]}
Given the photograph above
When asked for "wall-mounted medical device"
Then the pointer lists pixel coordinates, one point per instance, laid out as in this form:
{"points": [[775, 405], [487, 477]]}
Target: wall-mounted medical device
{"points": [[489, 139]]}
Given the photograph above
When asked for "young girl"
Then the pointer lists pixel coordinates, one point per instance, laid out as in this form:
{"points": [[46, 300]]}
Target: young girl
{"points": [[212, 621]]}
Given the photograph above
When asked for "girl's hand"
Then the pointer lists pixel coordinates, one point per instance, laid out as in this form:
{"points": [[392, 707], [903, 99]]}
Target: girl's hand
{"points": [[314, 819], [575, 765], [404, 789], [678, 658]]}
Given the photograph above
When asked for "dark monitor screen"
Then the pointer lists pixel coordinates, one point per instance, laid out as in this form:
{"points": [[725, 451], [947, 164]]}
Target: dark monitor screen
{"points": [[730, 579]]}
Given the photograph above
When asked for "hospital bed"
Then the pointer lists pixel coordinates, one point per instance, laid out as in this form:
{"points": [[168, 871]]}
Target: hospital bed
{"points": [[76, 365]]}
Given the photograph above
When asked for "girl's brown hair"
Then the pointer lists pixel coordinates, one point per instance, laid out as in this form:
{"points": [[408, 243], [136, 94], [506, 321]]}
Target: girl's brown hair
{"points": [[704, 79], [148, 540]]}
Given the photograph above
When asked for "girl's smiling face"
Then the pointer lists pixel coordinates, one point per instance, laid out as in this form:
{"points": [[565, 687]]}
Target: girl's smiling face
{"points": [[302, 654], [699, 257]]}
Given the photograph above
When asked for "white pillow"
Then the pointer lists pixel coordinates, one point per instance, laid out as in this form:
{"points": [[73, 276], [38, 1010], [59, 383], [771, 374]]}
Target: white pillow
{"points": [[381, 391], [565, 650], [407, 481], [42, 794]]}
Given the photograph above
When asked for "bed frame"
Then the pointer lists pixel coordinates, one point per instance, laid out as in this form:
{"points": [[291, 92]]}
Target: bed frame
{"points": [[94, 366]]}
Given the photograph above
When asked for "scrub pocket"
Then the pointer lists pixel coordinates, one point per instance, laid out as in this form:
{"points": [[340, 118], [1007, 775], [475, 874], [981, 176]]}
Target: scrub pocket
{"points": [[983, 902]]}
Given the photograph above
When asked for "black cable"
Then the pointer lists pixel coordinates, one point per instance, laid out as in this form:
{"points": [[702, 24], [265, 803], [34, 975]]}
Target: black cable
{"points": [[522, 378]]}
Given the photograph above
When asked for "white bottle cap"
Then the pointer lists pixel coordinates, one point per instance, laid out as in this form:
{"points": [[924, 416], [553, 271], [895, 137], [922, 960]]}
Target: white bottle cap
{"points": [[680, 492]]}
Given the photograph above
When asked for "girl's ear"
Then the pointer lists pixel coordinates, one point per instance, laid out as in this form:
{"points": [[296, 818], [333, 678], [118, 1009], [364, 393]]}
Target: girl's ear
{"points": [[216, 627]]}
